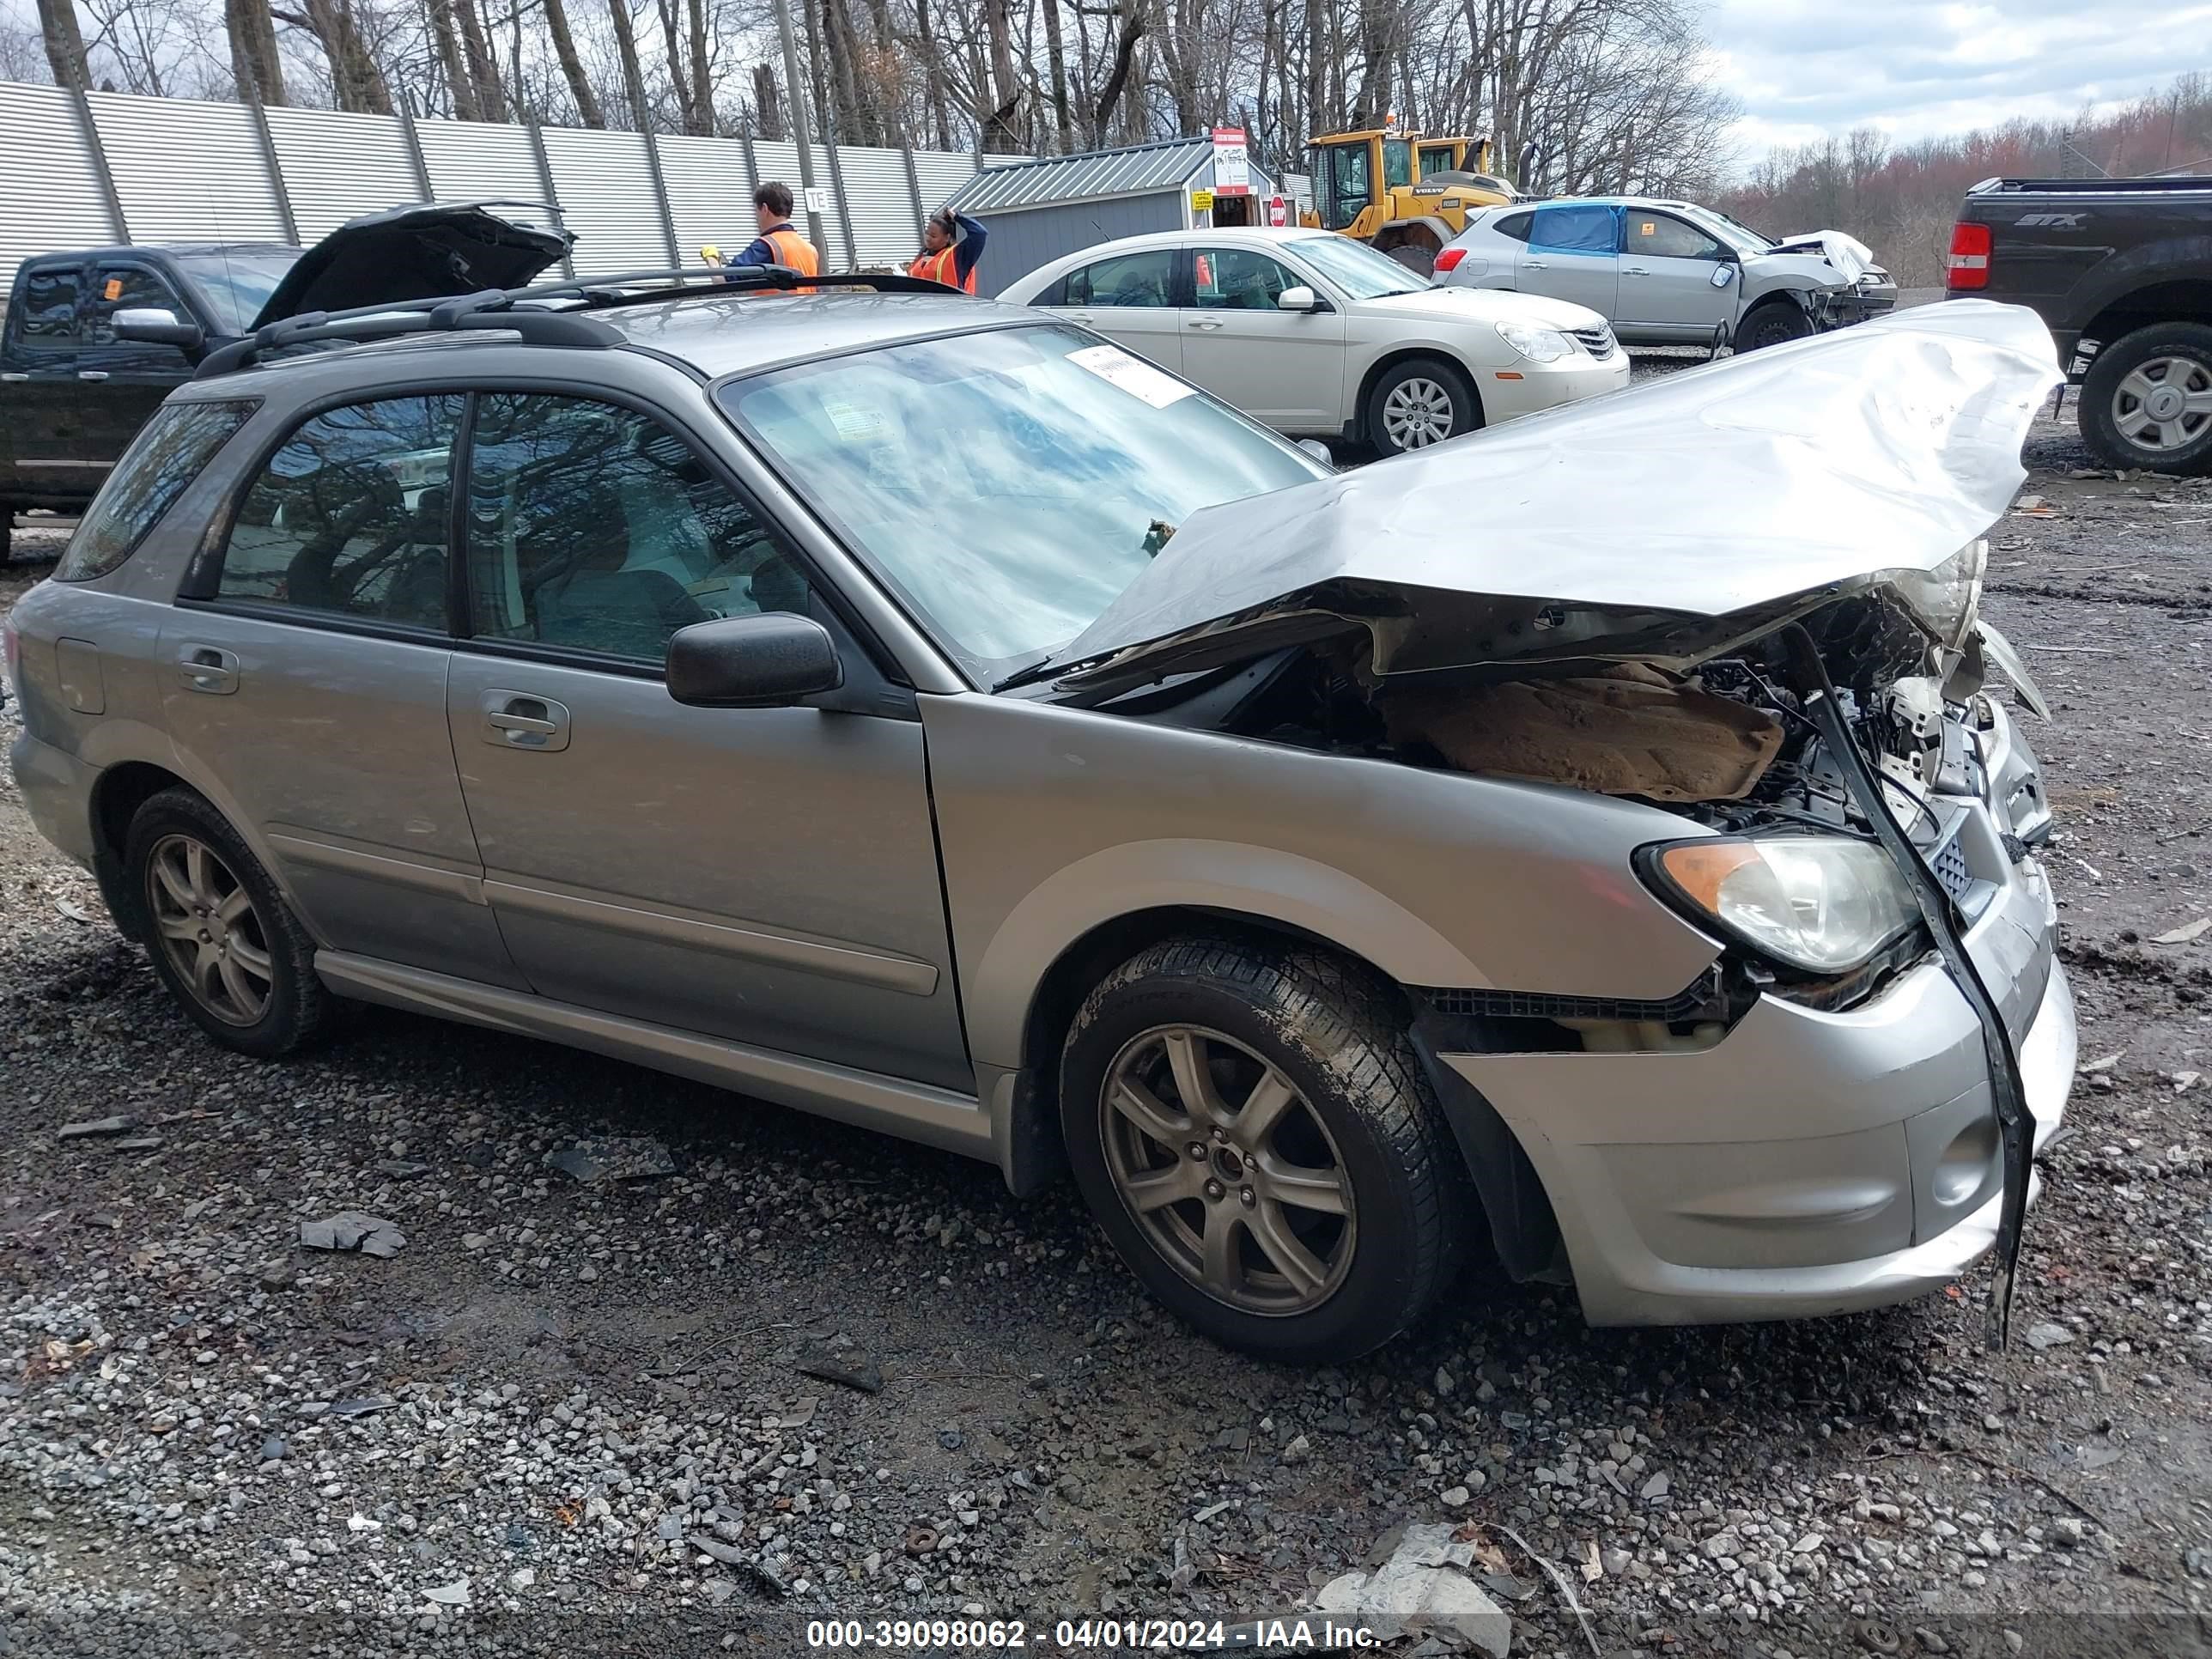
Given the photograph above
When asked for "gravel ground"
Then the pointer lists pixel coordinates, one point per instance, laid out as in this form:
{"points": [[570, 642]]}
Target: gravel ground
{"points": [[593, 1415]]}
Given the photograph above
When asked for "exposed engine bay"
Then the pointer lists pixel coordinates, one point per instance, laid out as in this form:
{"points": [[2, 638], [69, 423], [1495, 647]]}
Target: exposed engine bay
{"points": [[1726, 744]]}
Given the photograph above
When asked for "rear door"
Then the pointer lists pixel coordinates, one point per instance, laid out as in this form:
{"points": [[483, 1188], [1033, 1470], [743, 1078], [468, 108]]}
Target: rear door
{"points": [[1667, 272], [767, 876], [1283, 367], [1573, 253], [306, 682], [1131, 299], [125, 380], [51, 452]]}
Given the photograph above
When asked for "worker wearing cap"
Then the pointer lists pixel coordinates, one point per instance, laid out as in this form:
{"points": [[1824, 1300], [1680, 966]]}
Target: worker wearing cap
{"points": [[951, 247], [778, 244]]}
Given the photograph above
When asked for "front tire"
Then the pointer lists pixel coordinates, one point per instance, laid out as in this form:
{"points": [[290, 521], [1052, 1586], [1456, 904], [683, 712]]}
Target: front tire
{"points": [[221, 937], [2147, 399], [1777, 322], [1253, 1131], [1418, 403]]}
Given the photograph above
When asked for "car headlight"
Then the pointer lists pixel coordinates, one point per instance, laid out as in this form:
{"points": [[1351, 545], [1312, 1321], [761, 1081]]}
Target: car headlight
{"points": [[1821, 903], [1537, 345]]}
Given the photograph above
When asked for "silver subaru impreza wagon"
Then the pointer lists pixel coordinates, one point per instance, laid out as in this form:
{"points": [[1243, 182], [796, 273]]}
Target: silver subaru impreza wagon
{"points": [[1602, 851]]}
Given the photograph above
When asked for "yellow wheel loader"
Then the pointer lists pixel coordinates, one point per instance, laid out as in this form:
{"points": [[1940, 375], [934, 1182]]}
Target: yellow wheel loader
{"points": [[1406, 194]]}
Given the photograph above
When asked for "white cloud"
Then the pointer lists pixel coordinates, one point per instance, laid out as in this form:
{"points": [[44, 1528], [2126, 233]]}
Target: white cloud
{"points": [[1806, 68]]}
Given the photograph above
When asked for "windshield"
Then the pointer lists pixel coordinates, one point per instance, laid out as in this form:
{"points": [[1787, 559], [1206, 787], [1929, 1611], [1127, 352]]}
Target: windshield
{"points": [[235, 286], [1737, 234], [1007, 485], [1356, 268]]}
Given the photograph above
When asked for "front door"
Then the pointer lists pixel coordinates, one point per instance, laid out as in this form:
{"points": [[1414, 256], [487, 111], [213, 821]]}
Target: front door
{"points": [[764, 875], [1130, 298], [1572, 254], [126, 379], [1668, 272], [47, 438], [1283, 367], [309, 688]]}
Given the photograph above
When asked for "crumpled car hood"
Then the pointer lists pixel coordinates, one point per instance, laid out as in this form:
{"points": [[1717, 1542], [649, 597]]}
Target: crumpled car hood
{"points": [[1848, 255], [418, 253], [1663, 523]]}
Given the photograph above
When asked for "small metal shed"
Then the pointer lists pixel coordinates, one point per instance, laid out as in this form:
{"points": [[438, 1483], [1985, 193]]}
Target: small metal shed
{"points": [[1038, 210]]}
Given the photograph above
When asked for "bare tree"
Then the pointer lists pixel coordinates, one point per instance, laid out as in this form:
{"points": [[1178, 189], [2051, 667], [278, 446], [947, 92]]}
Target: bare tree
{"points": [[572, 65]]}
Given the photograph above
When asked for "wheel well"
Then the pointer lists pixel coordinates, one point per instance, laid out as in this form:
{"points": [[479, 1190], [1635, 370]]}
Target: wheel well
{"points": [[1383, 364], [116, 798], [1107, 946], [2186, 299], [1419, 232]]}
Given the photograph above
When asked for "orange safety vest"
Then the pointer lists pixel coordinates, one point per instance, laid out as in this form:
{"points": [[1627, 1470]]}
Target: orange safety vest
{"points": [[793, 249], [943, 267]]}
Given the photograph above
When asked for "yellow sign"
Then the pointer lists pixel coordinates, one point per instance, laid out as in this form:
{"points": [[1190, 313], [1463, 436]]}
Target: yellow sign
{"points": [[1201, 201]]}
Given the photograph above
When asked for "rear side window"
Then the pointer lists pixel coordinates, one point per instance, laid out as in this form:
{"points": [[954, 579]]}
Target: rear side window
{"points": [[49, 305], [1143, 281], [1515, 225], [350, 516], [1574, 230], [165, 457]]}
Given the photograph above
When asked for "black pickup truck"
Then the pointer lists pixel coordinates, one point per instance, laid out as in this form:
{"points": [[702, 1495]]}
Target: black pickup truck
{"points": [[2121, 269], [94, 339]]}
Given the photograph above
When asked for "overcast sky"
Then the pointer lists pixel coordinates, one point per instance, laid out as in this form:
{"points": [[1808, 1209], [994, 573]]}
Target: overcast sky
{"points": [[1803, 68]]}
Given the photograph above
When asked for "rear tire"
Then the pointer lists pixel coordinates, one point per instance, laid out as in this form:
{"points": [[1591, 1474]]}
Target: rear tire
{"points": [[2147, 399], [220, 935], [1776, 322], [1341, 1209], [1418, 403]]}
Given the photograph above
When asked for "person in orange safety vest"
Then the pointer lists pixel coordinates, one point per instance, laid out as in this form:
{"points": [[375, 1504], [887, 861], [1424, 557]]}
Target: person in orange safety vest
{"points": [[778, 244], [951, 247]]}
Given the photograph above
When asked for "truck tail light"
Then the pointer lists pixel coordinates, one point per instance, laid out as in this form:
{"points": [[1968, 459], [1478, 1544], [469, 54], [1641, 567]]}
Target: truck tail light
{"points": [[1969, 263], [1449, 259]]}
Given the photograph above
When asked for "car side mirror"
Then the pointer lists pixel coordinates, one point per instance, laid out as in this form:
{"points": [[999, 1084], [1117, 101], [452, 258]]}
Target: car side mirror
{"points": [[1724, 273], [763, 661], [156, 326], [1297, 299], [1319, 451]]}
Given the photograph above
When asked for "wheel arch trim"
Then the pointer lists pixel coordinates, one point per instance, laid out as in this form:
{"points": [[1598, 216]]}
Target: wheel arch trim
{"points": [[1226, 879]]}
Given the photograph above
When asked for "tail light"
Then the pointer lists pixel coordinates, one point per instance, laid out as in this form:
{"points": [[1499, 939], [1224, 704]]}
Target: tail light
{"points": [[1969, 263], [1449, 259]]}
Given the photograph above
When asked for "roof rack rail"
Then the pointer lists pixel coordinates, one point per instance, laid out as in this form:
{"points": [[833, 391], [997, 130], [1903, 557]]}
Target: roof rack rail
{"points": [[512, 310]]}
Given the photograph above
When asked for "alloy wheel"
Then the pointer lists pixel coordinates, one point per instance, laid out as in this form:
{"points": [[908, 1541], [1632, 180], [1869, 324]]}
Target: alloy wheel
{"points": [[1418, 412], [207, 925], [1229, 1171], [2164, 402]]}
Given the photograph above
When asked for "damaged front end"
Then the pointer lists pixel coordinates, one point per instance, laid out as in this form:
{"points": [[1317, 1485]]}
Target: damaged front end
{"points": [[1749, 600]]}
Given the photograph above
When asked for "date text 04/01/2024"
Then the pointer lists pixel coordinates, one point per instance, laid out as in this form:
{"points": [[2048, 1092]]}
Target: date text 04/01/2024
{"points": [[1281, 1635]]}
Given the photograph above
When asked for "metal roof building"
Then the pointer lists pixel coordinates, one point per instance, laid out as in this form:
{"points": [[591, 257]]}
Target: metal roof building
{"points": [[1038, 210]]}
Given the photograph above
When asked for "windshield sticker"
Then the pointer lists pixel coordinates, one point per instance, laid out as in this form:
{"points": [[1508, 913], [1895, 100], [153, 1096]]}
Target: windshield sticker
{"points": [[1133, 374], [854, 424]]}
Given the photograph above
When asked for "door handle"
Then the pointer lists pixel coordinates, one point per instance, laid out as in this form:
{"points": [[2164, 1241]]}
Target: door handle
{"points": [[12, 376], [517, 719], [91, 374], [1209, 323], [1634, 270], [208, 668], [1533, 264]]}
